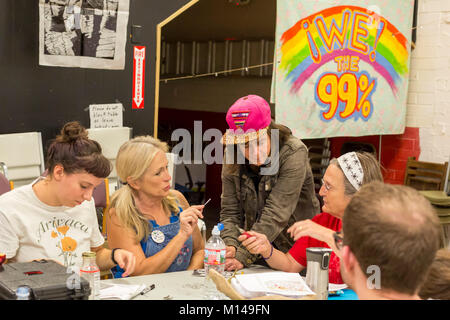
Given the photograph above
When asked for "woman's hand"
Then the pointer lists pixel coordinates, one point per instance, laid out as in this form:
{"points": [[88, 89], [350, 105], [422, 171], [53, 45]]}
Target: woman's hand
{"points": [[311, 229], [126, 260], [257, 243], [233, 264], [230, 252], [189, 219]]}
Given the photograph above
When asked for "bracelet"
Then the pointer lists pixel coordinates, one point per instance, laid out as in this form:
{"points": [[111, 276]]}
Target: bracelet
{"points": [[112, 255], [271, 251]]}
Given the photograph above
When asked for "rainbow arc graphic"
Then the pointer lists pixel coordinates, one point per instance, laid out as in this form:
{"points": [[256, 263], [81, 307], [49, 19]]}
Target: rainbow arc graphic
{"points": [[340, 31]]}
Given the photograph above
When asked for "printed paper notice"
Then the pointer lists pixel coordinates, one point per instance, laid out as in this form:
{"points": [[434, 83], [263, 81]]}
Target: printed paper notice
{"points": [[106, 115]]}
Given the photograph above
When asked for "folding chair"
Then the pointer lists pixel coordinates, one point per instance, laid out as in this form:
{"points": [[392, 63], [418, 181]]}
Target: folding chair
{"points": [[101, 198], [441, 203], [24, 156], [319, 157], [111, 139]]}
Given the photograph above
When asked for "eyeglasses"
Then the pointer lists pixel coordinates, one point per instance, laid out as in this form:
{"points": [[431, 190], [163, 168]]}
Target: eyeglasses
{"points": [[338, 240], [326, 185]]}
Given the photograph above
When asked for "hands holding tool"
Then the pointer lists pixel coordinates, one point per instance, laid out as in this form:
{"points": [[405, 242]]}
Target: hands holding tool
{"points": [[256, 243], [189, 218]]}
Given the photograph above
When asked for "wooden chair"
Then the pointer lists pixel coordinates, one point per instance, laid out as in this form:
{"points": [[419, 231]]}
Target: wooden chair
{"points": [[422, 175], [441, 204]]}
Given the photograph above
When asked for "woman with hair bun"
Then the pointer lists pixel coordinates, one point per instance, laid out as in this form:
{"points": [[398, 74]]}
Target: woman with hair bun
{"points": [[54, 217]]}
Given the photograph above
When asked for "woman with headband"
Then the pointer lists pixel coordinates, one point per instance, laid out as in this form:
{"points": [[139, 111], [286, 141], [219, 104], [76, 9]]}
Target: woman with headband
{"points": [[342, 179]]}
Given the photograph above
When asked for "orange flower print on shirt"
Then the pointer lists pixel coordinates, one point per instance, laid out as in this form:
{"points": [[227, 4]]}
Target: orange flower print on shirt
{"points": [[68, 244], [63, 229]]}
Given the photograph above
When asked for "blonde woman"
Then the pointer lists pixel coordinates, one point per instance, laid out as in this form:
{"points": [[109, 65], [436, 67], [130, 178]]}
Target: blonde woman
{"points": [[148, 218]]}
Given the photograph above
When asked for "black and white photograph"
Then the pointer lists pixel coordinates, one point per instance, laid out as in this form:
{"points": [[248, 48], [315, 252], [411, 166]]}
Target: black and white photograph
{"points": [[83, 28]]}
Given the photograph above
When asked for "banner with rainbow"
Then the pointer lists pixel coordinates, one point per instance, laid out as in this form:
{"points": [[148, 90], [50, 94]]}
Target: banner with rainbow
{"points": [[342, 67]]}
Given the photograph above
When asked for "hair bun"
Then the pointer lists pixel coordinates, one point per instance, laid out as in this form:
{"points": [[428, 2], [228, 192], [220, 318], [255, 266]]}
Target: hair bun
{"points": [[72, 131]]}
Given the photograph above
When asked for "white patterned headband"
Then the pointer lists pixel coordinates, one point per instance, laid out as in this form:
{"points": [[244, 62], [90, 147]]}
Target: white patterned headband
{"points": [[352, 169]]}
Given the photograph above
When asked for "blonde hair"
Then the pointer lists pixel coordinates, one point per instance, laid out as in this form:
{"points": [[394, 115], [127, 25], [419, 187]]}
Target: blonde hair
{"points": [[133, 159]]}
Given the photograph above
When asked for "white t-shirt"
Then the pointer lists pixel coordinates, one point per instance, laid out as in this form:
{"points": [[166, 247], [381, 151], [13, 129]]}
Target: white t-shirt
{"points": [[30, 229]]}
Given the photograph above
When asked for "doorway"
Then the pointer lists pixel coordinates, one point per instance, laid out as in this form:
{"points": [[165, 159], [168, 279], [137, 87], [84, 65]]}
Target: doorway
{"points": [[210, 54]]}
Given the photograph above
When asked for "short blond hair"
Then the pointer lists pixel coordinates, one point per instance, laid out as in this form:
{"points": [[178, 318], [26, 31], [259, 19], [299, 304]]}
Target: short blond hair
{"points": [[395, 228]]}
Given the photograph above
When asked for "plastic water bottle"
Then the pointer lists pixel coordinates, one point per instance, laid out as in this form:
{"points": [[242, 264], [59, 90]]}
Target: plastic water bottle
{"points": [[215, 250], [23, 293], [91, 272]]}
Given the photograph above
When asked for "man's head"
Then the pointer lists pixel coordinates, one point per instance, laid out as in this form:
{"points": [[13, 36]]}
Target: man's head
{"points": [[392, 229]]}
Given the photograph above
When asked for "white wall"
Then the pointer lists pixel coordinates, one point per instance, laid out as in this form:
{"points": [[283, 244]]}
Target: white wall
{"points": [[429, 91]]}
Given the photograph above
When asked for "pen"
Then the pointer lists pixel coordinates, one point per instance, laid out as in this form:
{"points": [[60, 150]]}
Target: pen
{"points": [[144, 291]]}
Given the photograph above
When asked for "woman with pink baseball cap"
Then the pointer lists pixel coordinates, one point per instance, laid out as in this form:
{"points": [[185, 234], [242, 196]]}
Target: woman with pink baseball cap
{"points": [[267, 182]]}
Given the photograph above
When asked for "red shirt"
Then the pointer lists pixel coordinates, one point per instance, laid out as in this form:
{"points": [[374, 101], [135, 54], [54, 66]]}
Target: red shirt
{"points": [[298, 250]]}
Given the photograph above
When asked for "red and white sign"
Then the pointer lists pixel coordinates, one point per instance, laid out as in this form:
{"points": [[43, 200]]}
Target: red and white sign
{"points": [[138, 77]]}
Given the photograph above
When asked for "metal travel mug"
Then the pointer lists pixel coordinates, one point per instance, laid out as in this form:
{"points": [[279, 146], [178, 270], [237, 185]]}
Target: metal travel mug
{"points": [[318, 260]]}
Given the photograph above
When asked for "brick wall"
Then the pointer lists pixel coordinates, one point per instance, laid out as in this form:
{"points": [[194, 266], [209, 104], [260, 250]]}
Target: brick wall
{"points": [[429, 88], [395, 150]]}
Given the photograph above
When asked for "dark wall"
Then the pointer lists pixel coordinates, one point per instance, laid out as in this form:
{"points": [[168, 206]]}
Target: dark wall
{"points": [[41, 98], [220, 20]]}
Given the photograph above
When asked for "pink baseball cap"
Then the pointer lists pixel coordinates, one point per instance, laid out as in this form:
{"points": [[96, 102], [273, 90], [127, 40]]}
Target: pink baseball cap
{"points": [[247, 118]]}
